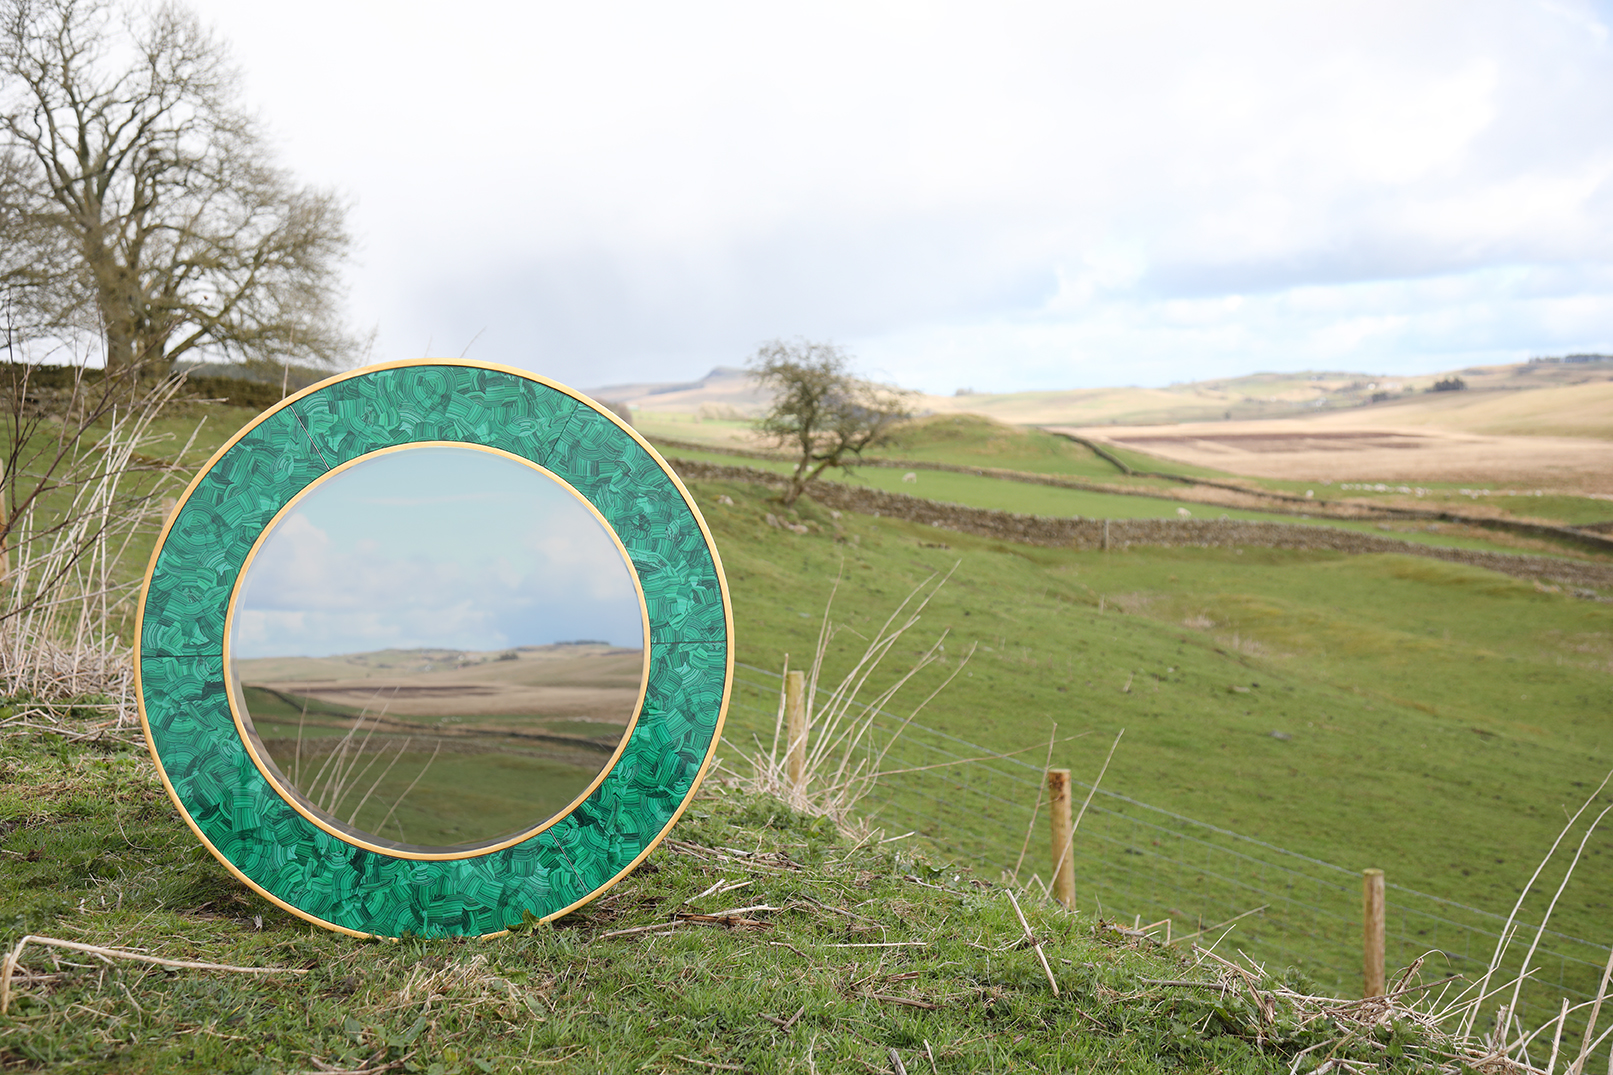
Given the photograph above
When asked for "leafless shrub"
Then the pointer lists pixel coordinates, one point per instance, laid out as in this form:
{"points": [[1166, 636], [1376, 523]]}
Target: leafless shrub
{"points": [[79, 484]]}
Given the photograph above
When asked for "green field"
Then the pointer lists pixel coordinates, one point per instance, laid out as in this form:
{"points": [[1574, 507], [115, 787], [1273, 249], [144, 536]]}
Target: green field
{"points": [[1440, 716], [970, 440], [478, 788], [1381, 654], [872, 949], [1025, 498], [974, 440], [1437, 720]]}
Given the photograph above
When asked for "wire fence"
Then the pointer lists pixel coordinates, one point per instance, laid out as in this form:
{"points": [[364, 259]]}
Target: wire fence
{"points": [[1143, 867]]}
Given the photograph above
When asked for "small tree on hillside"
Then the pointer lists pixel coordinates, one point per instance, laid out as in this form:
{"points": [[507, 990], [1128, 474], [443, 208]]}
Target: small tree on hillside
{"points": [[820, 410]]}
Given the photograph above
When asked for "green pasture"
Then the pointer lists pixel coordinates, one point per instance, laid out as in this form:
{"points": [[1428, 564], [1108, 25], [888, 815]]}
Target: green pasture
{"points": [[1440, 716], [997, 494], [1437, 720], [400, 788], [849, 953], [1447, 496], [973, 440]]}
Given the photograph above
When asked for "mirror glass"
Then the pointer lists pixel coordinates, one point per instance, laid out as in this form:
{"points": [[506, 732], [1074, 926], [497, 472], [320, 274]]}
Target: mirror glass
{"points": [[437, 648]]}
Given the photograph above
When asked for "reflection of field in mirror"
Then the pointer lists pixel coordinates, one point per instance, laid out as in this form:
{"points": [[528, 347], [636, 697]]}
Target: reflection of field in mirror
{"points": [[441, 747]]}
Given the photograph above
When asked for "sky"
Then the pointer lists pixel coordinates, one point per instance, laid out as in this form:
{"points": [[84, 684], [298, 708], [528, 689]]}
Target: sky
{"points": [[435, 547], [1004, 196]]}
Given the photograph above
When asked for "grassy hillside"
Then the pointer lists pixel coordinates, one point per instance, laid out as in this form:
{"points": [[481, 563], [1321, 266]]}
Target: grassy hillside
{"points": [[834, 957], [1288, 395], [1436, 719], [1438, 715], [727, 390], [976, 441]]}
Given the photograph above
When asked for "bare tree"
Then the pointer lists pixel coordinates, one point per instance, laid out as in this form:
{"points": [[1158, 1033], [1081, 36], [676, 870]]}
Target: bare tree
{"points": [[138, 202], [820, 410]]}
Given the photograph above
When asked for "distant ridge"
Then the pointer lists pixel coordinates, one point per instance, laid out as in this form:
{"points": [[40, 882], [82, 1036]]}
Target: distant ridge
{"points": [[727, 392], [724, 387]]}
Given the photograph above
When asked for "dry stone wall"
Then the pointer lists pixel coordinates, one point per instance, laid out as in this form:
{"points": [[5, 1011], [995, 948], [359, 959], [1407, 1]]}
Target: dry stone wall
{"points": [[1083, 533]]}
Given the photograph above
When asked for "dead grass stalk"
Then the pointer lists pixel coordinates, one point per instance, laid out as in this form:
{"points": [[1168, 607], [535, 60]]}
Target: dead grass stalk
{"points": [[844, 751]]}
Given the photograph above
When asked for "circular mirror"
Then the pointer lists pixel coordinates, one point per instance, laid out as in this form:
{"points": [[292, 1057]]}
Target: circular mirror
{"points": [[433, 648], [437, 648]]}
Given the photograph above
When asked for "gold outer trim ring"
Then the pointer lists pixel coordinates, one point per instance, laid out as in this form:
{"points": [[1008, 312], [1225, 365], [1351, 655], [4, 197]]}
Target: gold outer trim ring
{"points": [[683, 491]]}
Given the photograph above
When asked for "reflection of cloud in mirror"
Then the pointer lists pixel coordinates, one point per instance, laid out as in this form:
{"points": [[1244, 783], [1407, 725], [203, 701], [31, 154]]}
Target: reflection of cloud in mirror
{"points": [[435, 547]]}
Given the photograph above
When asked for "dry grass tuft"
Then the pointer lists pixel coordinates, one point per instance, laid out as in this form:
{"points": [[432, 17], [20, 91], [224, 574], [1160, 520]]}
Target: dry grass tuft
{"points": [[1133, 604], [844, 753], [470, 984], [76, 489], [1440, 1022]]}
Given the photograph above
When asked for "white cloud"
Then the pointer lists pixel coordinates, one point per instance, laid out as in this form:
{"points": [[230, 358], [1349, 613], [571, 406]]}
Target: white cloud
{"points": [[502, 557], [621, 191]]}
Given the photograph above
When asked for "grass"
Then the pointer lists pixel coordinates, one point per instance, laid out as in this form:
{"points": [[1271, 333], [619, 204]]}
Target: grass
{"points": [[996, 494], [972, 440], [976, 440], [1438, 714], [1438, 718], [482, 787], [869, 948]]}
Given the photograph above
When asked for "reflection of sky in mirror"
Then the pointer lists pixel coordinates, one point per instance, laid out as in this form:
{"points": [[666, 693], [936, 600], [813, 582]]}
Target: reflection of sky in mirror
{"points": [[435, 547]]}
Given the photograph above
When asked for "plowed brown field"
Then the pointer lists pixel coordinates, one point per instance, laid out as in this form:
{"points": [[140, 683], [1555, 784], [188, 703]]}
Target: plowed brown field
{"points": [[1335, 449]]}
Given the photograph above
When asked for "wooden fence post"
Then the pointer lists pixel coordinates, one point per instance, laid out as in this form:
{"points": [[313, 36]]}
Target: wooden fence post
{"points": [[1372, 932], [1058, 790], [795, 725]]}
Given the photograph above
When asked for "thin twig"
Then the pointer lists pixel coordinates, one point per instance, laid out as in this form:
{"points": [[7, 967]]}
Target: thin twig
{"points": [[15, 954], [1037, 945], [708, 1063], [1037, 809], [911, 1003], [784, 1025], [880, 944], [1220, 986], [321, 1068], [791, 947], [1578, 1066], [1218, 925]]}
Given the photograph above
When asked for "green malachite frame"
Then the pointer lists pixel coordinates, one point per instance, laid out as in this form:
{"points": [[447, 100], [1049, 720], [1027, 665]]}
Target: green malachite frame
{"points": [[251, 826]]}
